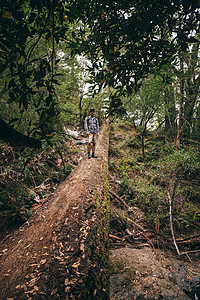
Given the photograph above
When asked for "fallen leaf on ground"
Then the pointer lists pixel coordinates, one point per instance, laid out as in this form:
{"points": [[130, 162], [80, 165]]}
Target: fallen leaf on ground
{"points": [[67, 288], [59, 258], [80, 281], [43, 261], [35, 206], [82, 247], [54, 292], [75, 265], [18, 286]]}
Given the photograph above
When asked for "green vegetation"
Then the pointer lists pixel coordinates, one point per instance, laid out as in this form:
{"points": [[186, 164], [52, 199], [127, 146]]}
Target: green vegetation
{"points": [[29, 176], [145, 183], [127, 274], [59, 58]]}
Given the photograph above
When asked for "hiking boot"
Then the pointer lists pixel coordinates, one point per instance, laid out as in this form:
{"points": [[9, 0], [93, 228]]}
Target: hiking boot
{"points": [[94, 156], [89, 156]]}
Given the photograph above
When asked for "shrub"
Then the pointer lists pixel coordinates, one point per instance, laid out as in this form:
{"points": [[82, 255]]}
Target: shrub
{"points": [[114, 150], [185, 162], [189, 218], [134, 142], [152, 200]]}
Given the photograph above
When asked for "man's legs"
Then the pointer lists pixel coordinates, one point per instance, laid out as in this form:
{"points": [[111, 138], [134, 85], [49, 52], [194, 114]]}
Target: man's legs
{"points": [[90, 138], [89, 147], [94, 145]]}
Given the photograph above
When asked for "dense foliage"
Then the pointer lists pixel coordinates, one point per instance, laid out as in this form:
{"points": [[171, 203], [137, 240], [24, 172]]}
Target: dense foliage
{"points": [[134, 60], [32, 31], [144, 185]]}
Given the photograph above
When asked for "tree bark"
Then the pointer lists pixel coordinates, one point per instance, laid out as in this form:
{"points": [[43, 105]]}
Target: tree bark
{"points": [[80, 110], [170, 111], [180, 120], [142, 140], [15, 138]]}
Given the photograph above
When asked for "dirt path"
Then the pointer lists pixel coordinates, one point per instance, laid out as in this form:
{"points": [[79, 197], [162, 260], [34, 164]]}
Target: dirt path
{"points": [[52, 255]]}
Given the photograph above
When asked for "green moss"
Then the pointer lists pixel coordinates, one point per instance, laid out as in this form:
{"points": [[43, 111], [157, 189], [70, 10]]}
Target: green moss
{"points": [[96, 283], [120, 266], [99, 276], [76, 150], [114, 151], [117, 265]]}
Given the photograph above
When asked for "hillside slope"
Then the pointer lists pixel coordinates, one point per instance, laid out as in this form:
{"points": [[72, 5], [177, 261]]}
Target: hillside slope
{"points": [[144, 261], [56, 253]]}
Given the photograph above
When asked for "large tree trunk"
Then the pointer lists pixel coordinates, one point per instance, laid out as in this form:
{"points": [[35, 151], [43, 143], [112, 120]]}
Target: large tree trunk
{"points": [[16, 138], [180, 120], [188, 115], [80, 110], [170, 111], [192, 88], [142, 139]]}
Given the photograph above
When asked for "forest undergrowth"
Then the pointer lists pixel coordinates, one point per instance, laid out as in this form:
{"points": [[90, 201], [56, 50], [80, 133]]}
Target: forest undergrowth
{"points": [[29, 177], [140, 185]]}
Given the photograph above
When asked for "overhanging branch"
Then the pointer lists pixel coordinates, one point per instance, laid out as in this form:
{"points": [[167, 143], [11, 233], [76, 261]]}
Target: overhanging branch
{"points": [[16, 138]]}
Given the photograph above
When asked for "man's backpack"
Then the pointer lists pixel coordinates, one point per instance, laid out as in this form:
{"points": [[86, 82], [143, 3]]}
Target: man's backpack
{"points": [[88, 120]]}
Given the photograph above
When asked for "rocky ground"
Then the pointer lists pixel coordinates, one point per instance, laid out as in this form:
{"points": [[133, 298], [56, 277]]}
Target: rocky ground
{"points": [[144, 261], [152, 274]]}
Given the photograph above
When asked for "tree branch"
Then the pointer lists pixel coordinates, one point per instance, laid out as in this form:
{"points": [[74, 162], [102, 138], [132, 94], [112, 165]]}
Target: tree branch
{"points": [[16, 138], [119, 199], [171, 223]]}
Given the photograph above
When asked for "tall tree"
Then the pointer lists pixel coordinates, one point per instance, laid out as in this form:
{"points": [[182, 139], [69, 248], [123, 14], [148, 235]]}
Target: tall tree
{"points": [[130, 37], [123, 39], [181, 102], [170, 110], [29, 33], [144, 106], [192, 86]]}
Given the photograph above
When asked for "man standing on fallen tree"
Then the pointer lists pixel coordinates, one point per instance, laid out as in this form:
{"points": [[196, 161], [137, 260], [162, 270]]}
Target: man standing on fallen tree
{"points": [[92, 130]]}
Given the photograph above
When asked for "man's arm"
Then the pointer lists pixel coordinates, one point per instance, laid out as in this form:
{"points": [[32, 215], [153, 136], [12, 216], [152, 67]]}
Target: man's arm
{"points": [[97, 127], [86, 126]]}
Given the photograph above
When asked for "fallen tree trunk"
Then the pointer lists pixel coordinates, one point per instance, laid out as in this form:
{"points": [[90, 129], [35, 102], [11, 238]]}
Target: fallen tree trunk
{"points": [[16, 138], [62, 252]]}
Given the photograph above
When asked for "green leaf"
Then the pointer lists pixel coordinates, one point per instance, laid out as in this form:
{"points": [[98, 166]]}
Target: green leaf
{"points": [[12, 96], [13, 120], [31, 18], [57, 38]]}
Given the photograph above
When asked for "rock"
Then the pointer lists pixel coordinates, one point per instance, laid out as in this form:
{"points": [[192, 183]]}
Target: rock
{"points": [[138, 274], [81, 142], [70, 132]]}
